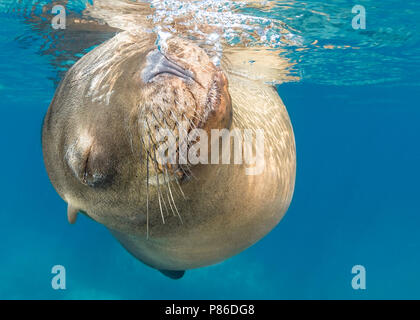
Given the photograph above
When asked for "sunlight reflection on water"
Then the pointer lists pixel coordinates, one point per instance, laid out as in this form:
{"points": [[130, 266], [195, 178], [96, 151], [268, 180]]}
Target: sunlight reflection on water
{"points": [[315, 36]]}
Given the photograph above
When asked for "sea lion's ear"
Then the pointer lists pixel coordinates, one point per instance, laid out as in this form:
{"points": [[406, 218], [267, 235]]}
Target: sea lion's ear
{"points": [[173, 274]]}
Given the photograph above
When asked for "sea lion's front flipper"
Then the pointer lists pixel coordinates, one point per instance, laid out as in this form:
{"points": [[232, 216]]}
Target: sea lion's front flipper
{"points": [[173, 274], [72, 213]]}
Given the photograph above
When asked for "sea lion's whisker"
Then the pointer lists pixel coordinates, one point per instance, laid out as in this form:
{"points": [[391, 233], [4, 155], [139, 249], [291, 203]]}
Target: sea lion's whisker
{"points": [[190, 174], [157, 177], [192, 124], [170, 192], [160, 204], [187, 174], [165, 180], [188, 146], [180, 189], [157, 120], [181, 143], [199, 119], [165, 123], [158, 183]]}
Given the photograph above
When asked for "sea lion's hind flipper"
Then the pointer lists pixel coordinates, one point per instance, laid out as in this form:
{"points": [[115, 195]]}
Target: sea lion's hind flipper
{"points": [[173, 274]]}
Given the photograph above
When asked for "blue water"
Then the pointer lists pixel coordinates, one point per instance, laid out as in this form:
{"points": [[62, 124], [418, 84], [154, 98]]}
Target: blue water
{"points": [[356, 117]]}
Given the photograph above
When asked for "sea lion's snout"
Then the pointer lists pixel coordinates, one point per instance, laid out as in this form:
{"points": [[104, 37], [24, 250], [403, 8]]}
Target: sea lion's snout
{"points": [[182, 90]]}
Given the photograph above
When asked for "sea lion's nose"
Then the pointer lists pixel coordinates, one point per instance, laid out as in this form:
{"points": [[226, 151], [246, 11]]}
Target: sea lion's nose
{"points": [[157, 63]]}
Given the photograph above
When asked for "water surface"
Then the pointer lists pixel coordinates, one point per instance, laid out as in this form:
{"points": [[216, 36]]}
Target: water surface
{"points": [[353, 102]]}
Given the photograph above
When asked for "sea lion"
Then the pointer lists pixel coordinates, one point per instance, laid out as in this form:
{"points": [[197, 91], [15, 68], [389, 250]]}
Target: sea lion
{"points": [[100, 148]]}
